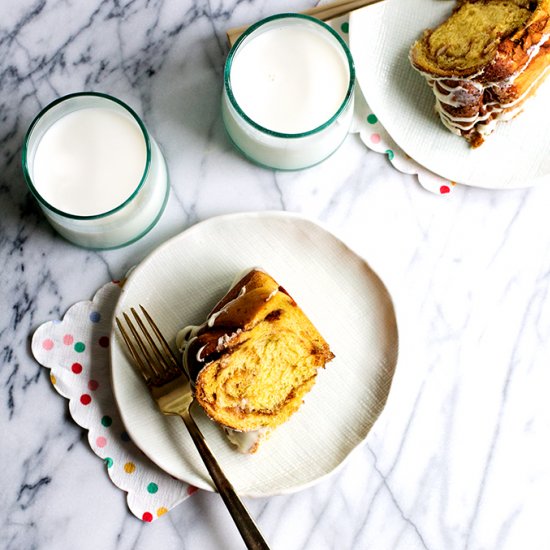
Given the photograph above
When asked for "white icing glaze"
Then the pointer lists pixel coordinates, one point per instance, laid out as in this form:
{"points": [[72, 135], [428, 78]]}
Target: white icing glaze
{"points": [[188, 334], [224, 339], [272, 294], [184, 339], [484, 121], [199, 352], [212, 319], [245, 272], [184, 334], [246, 442]]}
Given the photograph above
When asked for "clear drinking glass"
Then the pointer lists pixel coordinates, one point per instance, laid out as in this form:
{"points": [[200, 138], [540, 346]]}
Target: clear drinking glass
{"points": [[125, 222], [274, 149]]}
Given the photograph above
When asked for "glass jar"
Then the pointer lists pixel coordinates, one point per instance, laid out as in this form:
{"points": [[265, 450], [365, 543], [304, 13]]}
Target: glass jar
{"points": [[97, 174], [288, 92]]}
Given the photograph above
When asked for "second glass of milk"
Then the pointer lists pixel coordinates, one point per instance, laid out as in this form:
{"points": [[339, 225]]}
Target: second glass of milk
{"points": [[288, 92], [97, 174]]}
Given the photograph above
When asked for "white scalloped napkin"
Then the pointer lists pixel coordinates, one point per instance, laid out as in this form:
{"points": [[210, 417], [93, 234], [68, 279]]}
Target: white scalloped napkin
{"points": [[76, 350]]}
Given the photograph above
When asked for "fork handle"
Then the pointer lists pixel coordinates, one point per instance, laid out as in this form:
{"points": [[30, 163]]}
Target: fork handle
{"points": [[245, 524]]}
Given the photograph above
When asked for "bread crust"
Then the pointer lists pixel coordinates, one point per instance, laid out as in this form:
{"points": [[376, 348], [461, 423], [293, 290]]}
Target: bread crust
{"points": [[255, 357]]}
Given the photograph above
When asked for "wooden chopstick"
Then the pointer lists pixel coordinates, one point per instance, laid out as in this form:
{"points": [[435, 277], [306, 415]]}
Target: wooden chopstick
{"points": [[338, 8], [325, 12]]}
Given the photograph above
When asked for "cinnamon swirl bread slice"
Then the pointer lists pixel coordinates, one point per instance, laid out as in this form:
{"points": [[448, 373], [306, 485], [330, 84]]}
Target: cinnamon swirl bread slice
{"points": [[484, 61], [254, 359]]}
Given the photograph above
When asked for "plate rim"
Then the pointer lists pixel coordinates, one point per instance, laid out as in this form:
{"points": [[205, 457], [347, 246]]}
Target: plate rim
{"points": [[135, 270], [514, 184]]}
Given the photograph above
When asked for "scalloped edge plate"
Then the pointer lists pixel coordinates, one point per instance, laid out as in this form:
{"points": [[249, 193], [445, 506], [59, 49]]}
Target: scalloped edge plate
{"points": [[515, 155], [181, 280]]}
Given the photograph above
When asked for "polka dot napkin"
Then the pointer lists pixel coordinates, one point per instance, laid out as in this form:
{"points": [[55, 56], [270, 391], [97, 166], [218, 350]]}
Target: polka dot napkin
{"points": [[76, 350], [375, 137]]}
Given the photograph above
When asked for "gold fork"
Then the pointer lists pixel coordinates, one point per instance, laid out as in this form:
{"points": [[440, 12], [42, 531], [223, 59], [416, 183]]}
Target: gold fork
{"points": [[170, 387]]}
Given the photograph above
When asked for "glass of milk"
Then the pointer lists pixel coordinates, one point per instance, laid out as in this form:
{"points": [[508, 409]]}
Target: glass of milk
{"points": [[288, 92], [97, 174]]}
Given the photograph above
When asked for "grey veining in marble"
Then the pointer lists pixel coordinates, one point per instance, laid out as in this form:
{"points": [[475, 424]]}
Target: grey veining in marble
{"points": [[460, 458]]}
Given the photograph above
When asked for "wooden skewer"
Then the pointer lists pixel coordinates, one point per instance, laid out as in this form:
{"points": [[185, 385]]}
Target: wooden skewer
{"points": [[325, 12]]}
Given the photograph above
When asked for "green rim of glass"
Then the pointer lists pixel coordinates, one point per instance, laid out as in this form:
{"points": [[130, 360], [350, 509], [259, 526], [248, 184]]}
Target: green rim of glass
{"points": [[51, 106], [252, 29], [133, 239]]}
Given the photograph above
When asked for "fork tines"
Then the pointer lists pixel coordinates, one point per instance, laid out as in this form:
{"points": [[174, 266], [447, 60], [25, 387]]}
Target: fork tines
{"points": [[149, 349]]}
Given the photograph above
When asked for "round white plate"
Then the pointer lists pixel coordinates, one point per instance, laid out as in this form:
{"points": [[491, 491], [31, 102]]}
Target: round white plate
{"points": [[517, 154], [184, 278]]}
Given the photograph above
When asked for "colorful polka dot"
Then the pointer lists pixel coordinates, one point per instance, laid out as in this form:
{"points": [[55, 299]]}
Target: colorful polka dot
{"points": [[76, 368], [79, 347], [390, 154], [95, 317], [147, 516], [161, 511], [104, 341], [129, 467], [152, 488], [108, 461], [375, 138], [68, 339], [52, 379], [93, 385], [106, 421], [47, 344], [345, 27], [444, 189], [101, 441], [85, 399], [372, 119]]}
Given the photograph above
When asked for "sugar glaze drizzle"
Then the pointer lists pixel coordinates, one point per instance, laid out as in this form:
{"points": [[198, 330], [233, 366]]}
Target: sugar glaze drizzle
{"points": [[490, 113]]}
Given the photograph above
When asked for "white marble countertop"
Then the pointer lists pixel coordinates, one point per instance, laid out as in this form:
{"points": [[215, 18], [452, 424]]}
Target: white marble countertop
{"points": [[459, 458]]}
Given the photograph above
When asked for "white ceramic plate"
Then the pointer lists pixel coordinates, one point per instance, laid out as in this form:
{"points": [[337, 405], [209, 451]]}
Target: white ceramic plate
{"points": [[517, 154], [180, 282]]}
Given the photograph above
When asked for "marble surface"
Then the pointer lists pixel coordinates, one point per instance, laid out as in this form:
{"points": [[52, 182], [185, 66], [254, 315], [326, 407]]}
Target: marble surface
{"points": [[460, 457]]}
